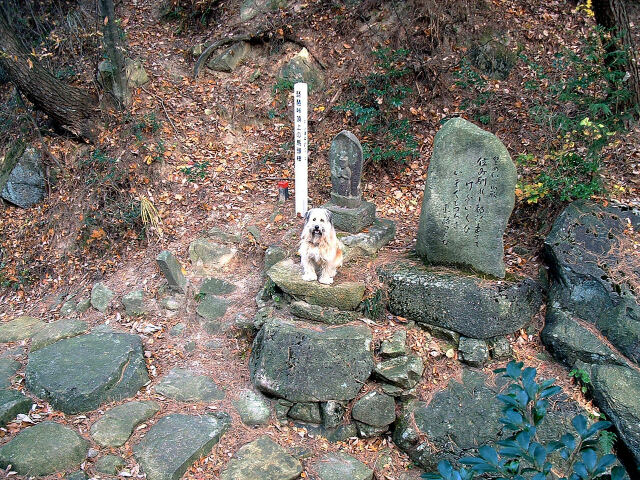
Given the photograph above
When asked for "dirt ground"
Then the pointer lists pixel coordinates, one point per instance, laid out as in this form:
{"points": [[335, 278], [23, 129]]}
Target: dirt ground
{"points": [[235, 132]]}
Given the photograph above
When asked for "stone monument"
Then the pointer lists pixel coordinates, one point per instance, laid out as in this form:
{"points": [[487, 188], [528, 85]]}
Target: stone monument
{"points": [[350, 212], [468, 198]]}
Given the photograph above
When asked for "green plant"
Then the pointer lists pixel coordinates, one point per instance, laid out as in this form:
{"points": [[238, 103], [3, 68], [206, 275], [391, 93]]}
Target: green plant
{"points": [[521, 456], [197, 171], [468, 79], [375, 107], [198, 297], [581, 377], [583, 100], [606, 441], [373, 306], [147, 124]]}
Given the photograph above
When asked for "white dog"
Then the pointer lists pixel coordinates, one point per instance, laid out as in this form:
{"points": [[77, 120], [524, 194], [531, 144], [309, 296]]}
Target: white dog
{"points": [[319, 247]]}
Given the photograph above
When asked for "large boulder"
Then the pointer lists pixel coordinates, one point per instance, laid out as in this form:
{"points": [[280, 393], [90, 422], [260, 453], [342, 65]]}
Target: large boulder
{"points": [[174, 443], [21, 177], [468, 199], [593, 315], [463, 417], [230, 58], [43, 449], [467, 305], [287, 275], [302, 69], [79, 374], [616, 390], [301, 363], [589, 268]]}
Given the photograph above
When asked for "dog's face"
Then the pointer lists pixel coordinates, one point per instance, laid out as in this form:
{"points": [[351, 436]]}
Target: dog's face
{"points": [[318, 225]]}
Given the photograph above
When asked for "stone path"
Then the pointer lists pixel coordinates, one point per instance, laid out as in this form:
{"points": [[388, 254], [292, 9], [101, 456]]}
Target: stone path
{"points": [[315, 365]]}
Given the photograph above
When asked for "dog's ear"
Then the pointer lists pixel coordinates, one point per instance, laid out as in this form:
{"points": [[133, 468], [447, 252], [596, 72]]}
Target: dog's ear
{"points": [[330, 217]]}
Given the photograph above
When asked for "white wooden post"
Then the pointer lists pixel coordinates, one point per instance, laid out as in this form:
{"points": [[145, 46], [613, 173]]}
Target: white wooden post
{"points": [[300, 147]]}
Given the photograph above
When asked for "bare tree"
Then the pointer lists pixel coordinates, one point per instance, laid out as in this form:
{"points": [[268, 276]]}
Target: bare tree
{"points": [[114, 49], [72, 108]]}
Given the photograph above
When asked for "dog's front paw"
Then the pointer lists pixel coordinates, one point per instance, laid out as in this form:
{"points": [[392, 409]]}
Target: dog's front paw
{"points": [[309, 277], [326, 280]]}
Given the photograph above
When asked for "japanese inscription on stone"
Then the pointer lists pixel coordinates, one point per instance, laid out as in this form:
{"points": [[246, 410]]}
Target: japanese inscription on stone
{"points": [[469, 196]]}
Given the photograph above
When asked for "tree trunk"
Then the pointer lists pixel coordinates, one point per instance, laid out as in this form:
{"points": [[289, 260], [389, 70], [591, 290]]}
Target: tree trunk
{"points": [[74, 109], [612, 15], [116, 83]]}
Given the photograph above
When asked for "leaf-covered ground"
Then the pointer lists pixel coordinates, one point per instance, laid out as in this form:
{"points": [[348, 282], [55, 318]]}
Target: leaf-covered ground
{"points": [[209, 151]]}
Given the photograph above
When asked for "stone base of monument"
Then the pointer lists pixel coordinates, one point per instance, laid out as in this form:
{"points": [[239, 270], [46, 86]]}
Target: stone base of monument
{"points": [[352, 220], [466, 305], [367, 244]]}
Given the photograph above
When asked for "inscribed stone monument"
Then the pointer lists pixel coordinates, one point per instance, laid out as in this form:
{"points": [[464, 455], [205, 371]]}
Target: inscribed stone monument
{"points": [[468, 198], [350, 212]]}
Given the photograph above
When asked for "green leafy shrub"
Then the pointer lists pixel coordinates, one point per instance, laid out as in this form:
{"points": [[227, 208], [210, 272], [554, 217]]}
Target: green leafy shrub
{"points": [[197, 171], [583, 100], [582, 378], [376, 101], [521, 456], [468, 79]]}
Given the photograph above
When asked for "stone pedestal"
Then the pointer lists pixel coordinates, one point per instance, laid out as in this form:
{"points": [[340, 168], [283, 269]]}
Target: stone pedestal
{"points": [[352, 220]]}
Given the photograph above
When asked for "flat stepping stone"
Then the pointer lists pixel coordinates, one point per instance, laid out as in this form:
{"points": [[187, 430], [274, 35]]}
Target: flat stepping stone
{"points": [[396, 346], [79, 475], [133, 302], [101, 296], [110, 464], [20, 329], [174, 443], [8, 368], [375, 409], [207, 254], [115, 427], [340, 466], [43, 449], [288, 276], [185, 386], [212, 307], [367, 244], [253, 408], [316, 313], [403, 372], [262, 459], [216, 286], [311, 364], [79, 374], [12, 403], [52, 332]]}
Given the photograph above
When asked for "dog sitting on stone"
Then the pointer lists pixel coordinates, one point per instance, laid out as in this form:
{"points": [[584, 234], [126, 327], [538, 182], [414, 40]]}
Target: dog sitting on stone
{"points": [[320, 250]]}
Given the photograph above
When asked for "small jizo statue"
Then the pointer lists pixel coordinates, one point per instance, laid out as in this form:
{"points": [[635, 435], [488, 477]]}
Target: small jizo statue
{"points": [[345, 157]]}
